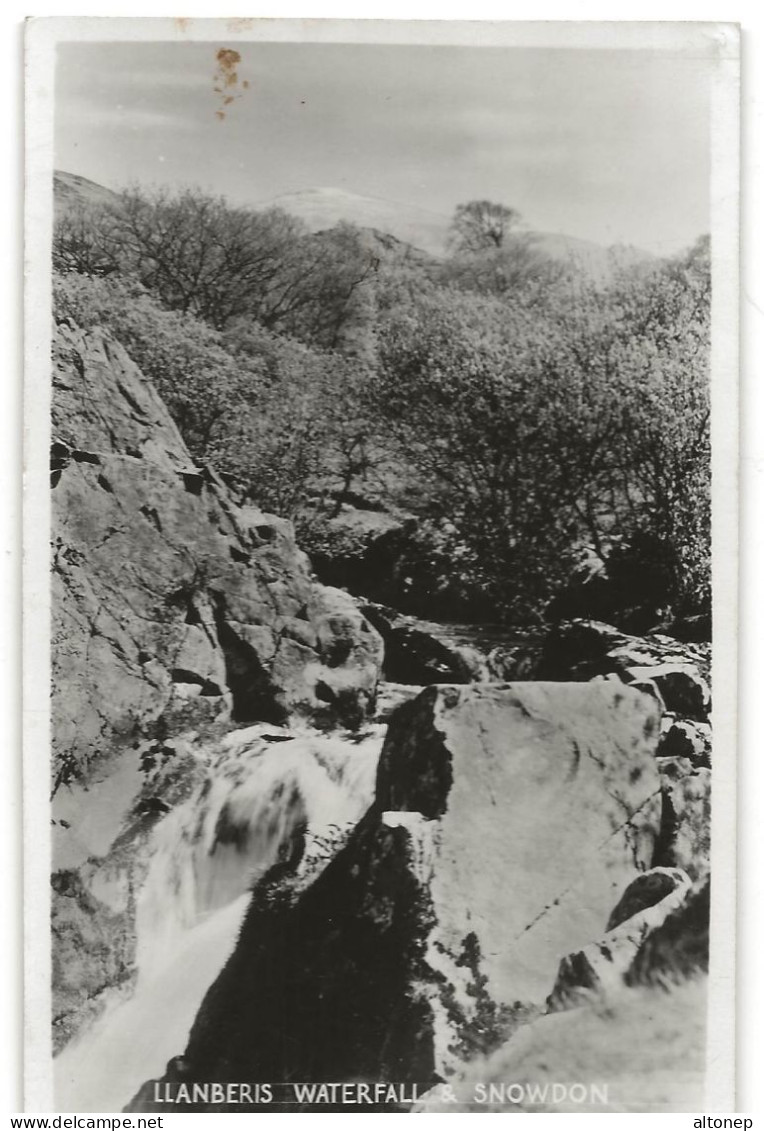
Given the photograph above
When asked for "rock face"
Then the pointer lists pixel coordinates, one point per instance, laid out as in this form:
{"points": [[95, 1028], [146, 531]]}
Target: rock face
{"points": [[561, 781], [168, 598], [174, 611], [94, 953], [508, 820]]}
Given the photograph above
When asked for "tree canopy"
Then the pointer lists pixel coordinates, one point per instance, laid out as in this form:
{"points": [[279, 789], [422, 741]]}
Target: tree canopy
{"points": [[524, 411], [482, 225]]}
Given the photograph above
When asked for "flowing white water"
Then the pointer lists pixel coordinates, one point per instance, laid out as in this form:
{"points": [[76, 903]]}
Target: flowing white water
{"points": [[203, 859]]}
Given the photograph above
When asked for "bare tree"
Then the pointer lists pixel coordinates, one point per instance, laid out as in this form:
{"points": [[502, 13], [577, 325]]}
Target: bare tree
{"points": [[86, 240], [481, 225]]}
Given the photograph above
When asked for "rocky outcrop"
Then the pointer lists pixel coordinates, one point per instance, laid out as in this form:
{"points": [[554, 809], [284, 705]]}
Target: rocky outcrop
{"points": [[168, 598], [681, 738], [584, 649], [506, 823]]}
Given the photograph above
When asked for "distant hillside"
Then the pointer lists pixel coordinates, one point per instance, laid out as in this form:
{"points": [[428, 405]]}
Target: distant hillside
{"points": [[70, 189], [392, 226], [321, 208], [427, 231]]}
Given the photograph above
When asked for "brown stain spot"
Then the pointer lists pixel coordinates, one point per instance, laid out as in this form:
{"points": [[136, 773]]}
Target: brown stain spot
{"points": [[228, 59], [226, 78], [183, 22]]}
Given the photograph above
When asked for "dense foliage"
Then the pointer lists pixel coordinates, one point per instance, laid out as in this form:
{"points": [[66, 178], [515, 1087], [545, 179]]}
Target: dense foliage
{"points": [[530, 414]]}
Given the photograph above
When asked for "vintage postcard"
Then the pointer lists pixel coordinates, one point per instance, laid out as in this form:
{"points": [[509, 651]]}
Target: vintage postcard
{"points": [[380, 566]]}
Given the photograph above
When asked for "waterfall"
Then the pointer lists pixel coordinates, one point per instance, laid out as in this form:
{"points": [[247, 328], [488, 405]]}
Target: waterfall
{"points": [[265, 785]]}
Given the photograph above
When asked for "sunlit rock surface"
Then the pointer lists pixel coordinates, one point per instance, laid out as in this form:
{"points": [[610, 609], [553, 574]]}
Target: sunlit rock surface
{"points": [[168, 598]]}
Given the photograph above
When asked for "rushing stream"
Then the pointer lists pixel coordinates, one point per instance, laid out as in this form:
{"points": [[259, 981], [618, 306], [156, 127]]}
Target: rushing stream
{"points": [[263, 787]]}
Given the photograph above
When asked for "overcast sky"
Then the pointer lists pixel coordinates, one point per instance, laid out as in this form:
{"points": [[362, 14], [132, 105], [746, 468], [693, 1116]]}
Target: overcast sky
{"points": [[611, 146]]}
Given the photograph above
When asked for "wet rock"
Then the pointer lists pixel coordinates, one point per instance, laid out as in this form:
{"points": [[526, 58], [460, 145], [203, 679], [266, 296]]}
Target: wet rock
{"points": [[175, 612], [94, 954], [183, 836]]}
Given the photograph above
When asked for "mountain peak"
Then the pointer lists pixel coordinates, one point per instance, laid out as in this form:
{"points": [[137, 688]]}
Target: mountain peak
{"points": [[324, 206]]}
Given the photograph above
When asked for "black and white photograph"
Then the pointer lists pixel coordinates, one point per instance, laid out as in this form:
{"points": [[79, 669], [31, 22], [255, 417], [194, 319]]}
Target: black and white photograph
{"points": [[382, 462]]}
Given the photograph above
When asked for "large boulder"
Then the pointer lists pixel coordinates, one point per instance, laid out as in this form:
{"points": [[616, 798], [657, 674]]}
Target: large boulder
{"points": [[414, 655], [506, 823], [562, 783], [164, 590]]}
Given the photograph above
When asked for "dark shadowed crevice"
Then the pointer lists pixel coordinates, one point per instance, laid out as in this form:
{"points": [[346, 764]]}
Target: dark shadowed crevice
{"points": [[253, 694], [151, 514], [193, 482], [208, 686]]}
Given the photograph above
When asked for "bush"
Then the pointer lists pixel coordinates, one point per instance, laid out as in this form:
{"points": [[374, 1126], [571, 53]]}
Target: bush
{"points": [[521, 411], [581, 418], [202, 385]]}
